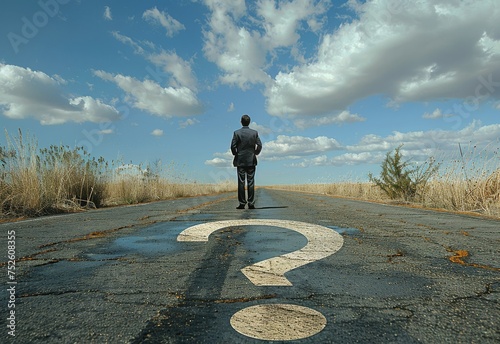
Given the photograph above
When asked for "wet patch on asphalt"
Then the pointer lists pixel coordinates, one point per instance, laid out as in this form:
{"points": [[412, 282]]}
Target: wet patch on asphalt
{"points": [[152, 241]]}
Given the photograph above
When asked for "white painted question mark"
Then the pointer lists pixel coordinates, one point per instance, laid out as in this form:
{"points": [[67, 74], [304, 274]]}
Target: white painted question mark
{"points": [[277, 321], [322, 242]]}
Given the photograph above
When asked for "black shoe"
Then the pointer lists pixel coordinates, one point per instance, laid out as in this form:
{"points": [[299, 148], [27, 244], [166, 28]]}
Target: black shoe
{"points": [[251, 206], [241, 206]]}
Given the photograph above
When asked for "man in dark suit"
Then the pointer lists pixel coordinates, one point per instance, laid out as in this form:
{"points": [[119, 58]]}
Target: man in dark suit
{"points": [[245, 147]]}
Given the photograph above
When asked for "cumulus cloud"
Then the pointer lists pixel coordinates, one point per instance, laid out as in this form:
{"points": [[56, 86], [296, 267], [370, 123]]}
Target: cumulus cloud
{"points": [[149, 96], [416, 145], [179, 98], [343, 117], [171, 25], [157, 132], [282, 21], [371, 149], [427, 143], [25, 93], [290, 147], [240, 51], [285, 147], [262, 129], [416, 51], [221, 159], [218, 162], [180, 70]]}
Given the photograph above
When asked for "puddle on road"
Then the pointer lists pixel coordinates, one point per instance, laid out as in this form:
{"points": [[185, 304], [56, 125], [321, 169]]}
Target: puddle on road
{"points": [[154, 240], [342, 230]]}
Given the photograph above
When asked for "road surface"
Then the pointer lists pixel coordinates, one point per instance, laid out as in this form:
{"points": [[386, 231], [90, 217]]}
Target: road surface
{"points": [[194, 271]]}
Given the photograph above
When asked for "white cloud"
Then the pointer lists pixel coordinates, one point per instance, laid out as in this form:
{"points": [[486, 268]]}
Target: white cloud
{"points": [[261, 129], [418, 146], [106, 131], [416, 51], [357, 158], [157, 132], [424, 144], [240, 51], [149, 96], [302, 122], [25, 93], [127, 40], [282, 21], [171, 25], [221, 159], [436, 114], [188, 122], [230, 108], [173, 70], [218, 162], [236, 51], [181, 71], [293, 147], [342, 160], [107, 13]]}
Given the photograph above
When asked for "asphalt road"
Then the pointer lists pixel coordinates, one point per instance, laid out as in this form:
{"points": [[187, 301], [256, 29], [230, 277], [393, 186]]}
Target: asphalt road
{"points": [[120, 275]]}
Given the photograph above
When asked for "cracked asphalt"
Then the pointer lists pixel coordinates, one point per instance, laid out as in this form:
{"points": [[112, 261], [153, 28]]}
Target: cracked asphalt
{"points": [[118, 275]]}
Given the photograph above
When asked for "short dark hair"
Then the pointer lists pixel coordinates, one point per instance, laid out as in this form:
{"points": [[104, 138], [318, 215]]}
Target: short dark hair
{"points": [[245, 120]]}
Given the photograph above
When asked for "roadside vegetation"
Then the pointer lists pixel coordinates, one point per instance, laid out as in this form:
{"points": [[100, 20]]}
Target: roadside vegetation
{"points": [[36, 181], [468, 183], [58, 179], [400, 180]]}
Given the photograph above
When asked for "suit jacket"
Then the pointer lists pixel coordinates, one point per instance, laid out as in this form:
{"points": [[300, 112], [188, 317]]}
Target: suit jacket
{"points": [[245, 147]]}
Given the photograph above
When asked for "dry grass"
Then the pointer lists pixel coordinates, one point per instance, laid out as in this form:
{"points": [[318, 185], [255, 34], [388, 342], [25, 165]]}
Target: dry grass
{"points": [[479, 194], [356, 190], [484, 198], [469, 182], [132, 190], [36, 181]]}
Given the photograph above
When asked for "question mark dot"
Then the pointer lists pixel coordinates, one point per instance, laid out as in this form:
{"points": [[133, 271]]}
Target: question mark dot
{"points": [[278, 322]]}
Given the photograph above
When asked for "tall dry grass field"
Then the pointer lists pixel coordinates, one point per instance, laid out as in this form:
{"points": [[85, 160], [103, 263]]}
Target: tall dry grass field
{"points": [[37, 181], [468, 183], [471, 182], [135, 189]]}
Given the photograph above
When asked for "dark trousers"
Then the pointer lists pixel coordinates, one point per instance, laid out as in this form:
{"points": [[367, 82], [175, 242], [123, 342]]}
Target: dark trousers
{"points": [[248, 173]]}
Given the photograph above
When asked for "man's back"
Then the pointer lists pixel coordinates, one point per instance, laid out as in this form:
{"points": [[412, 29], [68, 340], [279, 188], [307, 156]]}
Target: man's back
{"points": [[245, 146]]}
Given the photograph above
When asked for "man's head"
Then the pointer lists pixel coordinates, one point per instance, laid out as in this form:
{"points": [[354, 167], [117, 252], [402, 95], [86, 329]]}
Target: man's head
{"points": [[245, 120]]}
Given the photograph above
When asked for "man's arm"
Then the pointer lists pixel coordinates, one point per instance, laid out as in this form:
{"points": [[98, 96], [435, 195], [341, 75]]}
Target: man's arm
{"points": [[258, 145], [234, 144]]}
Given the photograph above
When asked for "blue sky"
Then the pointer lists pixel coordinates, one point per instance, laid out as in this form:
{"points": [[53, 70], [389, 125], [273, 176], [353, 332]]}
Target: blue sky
{"points": [[331, 86]]}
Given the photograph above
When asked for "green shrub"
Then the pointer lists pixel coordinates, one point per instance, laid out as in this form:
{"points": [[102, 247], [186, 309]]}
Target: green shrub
{"points": [[399, 180]]}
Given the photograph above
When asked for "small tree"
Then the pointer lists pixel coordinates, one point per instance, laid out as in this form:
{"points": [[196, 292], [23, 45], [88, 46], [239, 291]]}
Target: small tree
{"points": [[398, 180]]}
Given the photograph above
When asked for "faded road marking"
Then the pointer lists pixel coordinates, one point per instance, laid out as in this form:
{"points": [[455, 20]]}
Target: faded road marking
{"points": [[278, 322]]}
